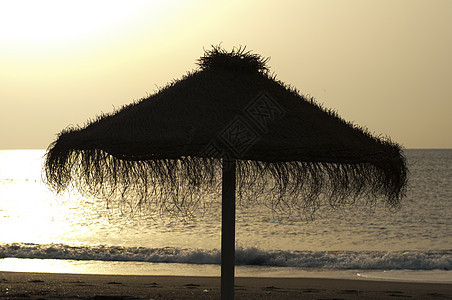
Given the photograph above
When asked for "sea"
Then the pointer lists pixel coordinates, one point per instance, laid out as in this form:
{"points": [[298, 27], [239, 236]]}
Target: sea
{"points": [[41, 231]]}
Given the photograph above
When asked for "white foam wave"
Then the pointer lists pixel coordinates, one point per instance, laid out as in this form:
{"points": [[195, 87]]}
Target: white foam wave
{"points": [[393, 260]]}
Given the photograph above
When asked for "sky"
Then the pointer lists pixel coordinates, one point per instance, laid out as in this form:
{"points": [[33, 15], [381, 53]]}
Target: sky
{"points": [[383, 64]]}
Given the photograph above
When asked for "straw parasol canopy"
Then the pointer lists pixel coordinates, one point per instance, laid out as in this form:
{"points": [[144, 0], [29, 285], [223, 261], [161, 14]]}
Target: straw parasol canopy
{"points": [[230, 118]]}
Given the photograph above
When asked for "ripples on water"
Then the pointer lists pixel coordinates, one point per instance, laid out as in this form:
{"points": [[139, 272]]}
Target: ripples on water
{"points": [[30, 213], [38, 216]]}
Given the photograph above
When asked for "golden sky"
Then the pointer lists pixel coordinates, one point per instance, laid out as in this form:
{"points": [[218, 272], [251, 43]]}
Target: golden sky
{"points": [[383, 64]]}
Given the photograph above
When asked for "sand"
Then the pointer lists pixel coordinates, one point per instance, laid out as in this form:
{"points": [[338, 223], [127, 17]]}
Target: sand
{"points": [[15, 285]]}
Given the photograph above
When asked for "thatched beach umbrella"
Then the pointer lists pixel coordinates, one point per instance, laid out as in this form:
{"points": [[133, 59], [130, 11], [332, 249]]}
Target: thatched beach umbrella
{"points": [[230, 128]]}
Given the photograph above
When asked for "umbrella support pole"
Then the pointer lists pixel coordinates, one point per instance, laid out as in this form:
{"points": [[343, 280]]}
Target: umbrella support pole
{"points": [[228, 229]]}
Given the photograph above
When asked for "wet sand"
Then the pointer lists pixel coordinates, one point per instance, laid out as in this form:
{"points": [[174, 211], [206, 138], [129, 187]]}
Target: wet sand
{"points": [[15, 285]]}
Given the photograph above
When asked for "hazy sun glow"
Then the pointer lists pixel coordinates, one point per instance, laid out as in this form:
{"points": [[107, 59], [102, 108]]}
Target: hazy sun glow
{"points": [[384, 64], [52, 20]]}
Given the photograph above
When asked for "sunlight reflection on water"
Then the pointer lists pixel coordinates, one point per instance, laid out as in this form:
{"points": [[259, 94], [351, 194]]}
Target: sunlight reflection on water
{"points": [[162, 269], [31, 213]]}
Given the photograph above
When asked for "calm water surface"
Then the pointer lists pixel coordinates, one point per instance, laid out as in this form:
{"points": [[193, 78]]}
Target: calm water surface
{"points": [[41, 229]]}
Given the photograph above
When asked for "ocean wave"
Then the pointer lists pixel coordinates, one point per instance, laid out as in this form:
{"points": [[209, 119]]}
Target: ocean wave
{"points": [[392, 260]]}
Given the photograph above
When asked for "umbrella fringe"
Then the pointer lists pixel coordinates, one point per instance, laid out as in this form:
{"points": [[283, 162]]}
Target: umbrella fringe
{"points": [[181, 186]]}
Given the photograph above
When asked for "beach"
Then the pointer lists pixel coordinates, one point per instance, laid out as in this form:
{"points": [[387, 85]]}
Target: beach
{"points": [[23, 285], [52, 246]]}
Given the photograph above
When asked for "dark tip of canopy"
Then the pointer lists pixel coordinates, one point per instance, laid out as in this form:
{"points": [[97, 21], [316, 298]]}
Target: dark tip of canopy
{"points": [[238, 59]]}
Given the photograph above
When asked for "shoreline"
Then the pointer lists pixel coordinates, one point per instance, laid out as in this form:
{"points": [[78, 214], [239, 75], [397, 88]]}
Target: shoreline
{"points": [[20, 285]]}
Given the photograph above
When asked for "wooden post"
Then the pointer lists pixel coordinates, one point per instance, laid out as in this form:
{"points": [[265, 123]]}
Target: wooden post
{"points": [[228, 230]]}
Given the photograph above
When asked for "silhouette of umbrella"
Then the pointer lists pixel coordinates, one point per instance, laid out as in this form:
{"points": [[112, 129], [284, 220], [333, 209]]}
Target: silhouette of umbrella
{"points": [[229, 128]]}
